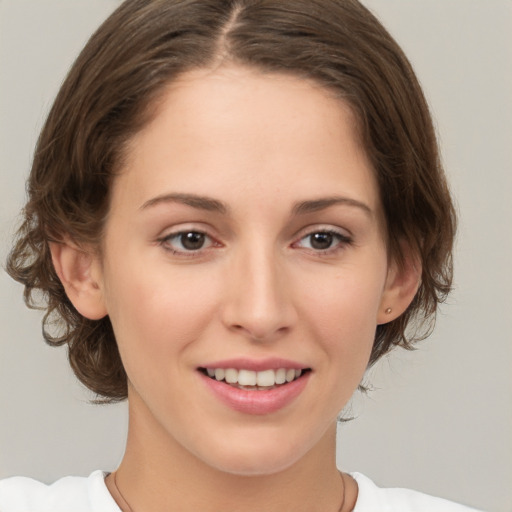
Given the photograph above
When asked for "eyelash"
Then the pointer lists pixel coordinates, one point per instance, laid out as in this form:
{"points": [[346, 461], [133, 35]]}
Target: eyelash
{"points": [[166, 241], [341, 239]]}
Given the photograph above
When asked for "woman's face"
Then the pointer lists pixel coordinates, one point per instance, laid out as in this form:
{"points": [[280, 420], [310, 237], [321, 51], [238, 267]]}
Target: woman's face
{"points": [[245, 239]]}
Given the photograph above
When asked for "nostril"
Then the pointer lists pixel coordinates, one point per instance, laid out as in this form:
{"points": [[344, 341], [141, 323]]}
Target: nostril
{"points": [[253, 334]]}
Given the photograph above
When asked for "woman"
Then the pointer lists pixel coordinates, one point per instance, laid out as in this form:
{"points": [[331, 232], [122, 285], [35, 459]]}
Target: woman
{"points": [[235, 208]]}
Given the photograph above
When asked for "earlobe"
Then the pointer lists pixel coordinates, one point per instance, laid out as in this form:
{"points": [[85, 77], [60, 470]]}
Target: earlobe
{"points": [[79, 273], [402, 284]]}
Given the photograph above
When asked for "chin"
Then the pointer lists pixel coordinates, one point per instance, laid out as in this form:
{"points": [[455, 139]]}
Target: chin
{"points": [[244, 466], [257, 459]]}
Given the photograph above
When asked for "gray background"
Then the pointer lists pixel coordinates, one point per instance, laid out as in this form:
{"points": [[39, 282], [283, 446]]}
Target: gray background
{"points": [[440, 419]]}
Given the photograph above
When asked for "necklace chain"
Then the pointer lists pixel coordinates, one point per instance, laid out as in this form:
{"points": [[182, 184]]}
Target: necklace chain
{"points": [[125, 506], [344, 488]]}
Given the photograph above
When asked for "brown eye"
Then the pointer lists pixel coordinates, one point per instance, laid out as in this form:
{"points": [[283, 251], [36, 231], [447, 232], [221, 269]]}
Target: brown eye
{"points": [[186, 242], [321, 241], [192, 241], [324, 241]]}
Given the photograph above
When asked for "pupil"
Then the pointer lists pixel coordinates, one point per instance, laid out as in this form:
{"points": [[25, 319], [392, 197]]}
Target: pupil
{"points": [[192, 241], [321, 240]]}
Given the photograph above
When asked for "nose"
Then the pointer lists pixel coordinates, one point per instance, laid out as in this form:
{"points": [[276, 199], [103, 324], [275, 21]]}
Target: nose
{"points": [[259, 300]]}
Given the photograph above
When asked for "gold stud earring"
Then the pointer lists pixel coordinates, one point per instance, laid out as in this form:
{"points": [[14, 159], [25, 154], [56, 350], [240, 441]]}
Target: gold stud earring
{"points": [[388, 311]]}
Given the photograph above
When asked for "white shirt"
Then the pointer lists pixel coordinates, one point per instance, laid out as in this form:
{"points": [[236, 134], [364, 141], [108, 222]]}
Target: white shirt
{"points": [[90, 494]]}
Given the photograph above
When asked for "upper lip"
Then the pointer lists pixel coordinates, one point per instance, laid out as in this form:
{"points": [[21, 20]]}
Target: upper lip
{"points": [[257, 365]]}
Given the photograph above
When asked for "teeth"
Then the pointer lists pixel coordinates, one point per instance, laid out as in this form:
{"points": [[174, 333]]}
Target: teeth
{"points": [[246, 378], [231, 376], [266, 378], [281, 376], [251, 379]]}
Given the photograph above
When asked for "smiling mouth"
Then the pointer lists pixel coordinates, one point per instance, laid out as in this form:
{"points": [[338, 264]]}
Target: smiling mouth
{"points": [[253, 380]]}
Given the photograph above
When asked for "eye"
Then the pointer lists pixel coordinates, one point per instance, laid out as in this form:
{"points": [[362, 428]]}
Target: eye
{"points": [[322, 241], [187, 241]]}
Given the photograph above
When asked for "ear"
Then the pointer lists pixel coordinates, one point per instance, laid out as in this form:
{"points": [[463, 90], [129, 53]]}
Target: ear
{"points": [[402, 283], [80, 273]]}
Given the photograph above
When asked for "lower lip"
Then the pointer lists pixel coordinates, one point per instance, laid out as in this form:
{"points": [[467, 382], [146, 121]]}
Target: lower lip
{"points": [[257, 402]]}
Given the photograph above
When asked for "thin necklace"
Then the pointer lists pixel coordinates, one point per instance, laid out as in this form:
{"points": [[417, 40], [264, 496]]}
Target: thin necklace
{"points": [[125, 507], [344, 487]]}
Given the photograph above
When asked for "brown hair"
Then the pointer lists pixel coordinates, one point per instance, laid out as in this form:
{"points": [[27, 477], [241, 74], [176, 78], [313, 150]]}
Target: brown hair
{"points": [[109, 94]]}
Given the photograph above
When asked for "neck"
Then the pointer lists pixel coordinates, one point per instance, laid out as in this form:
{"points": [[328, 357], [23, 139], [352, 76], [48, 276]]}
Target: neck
{"points": [[158, 474]]}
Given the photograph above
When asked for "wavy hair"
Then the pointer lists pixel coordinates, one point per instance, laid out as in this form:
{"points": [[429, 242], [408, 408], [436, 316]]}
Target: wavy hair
{"points": [[112, 91]]}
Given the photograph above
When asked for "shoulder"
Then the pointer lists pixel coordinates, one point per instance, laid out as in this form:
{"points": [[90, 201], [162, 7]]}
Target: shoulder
{"points": [[80, 494], [372, 499]]}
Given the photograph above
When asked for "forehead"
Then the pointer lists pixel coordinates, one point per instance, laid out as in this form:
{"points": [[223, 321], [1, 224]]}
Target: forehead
{"points": [[214, 130]]}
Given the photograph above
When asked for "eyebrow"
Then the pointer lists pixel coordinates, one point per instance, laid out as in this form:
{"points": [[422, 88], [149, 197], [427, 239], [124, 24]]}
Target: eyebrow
{"points": [[195, 201], [316, 205], [213, 205]]}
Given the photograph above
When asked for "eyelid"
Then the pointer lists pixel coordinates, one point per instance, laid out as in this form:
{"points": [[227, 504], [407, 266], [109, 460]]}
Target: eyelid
{"points": [[164, 241], [323, 228], [345, 238]]}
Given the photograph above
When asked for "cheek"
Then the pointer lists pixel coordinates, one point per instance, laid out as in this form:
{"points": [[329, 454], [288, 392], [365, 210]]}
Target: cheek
{"points": [[343, 314], [156, 315]]}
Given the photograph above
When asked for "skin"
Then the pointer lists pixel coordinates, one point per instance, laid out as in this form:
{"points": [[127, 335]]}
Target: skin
{"points": [[257, 145]]}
